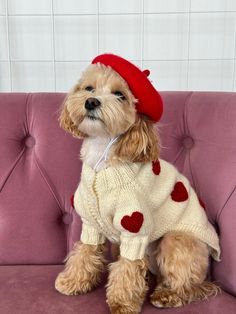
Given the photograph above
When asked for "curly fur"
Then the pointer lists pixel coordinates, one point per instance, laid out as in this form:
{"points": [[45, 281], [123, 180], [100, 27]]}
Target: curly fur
{"points": [[68, 125], [182, 259], [83, 269], [139, 144], [127, 287]]}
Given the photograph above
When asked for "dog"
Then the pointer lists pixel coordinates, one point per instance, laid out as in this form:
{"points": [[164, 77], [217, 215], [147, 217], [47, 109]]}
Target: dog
{"points": [[130, 196]]}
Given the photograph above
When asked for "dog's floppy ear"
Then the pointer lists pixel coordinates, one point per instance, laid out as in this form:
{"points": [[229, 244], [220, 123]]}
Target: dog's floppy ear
{"points": [[139, 144], [68, 125], [65, 121]]}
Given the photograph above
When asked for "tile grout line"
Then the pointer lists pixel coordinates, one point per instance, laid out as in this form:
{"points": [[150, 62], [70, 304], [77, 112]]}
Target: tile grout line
{"points": [[8, 44], [134, 60], [53, 46], [188, 60], [142, 32], [234, 63], [222, 53], [98, 27], [132, 13]]}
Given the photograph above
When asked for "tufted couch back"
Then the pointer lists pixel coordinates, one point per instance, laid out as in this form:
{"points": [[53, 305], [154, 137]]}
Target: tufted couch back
{"points": [[40, 168]]}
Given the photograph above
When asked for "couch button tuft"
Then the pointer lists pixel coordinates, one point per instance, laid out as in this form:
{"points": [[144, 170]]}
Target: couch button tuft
{"points": [[29, 142], [188, 142]]}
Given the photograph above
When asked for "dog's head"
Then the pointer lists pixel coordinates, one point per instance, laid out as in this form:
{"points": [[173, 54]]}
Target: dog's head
{"points": [[101, 104]]}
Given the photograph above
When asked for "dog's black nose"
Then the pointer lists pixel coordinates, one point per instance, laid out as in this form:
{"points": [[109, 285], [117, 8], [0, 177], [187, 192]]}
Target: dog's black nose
{"points": [[92, 103]]}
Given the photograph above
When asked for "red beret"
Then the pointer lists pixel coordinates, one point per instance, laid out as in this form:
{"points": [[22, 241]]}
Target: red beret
{"points": [[149, 100]]}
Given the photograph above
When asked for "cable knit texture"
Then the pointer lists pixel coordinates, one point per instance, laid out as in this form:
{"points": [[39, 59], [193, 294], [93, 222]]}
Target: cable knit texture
{"points": [[135, 203]]}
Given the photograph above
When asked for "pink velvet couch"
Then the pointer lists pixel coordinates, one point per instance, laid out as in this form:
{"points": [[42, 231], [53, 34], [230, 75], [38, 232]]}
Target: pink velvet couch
{"points": [[40, 169]]}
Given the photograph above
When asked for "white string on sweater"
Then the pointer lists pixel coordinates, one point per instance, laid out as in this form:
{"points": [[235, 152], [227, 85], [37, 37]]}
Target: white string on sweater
{"points": [[106, 151]]}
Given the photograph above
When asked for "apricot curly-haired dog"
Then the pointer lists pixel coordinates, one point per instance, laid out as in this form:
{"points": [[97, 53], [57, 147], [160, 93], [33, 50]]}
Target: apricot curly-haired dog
{"points": [[130, 196]]}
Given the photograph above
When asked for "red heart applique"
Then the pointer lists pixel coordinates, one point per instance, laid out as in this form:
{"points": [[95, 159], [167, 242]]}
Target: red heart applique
{"points": [[132, 223], [179, 194], [156, 167]]}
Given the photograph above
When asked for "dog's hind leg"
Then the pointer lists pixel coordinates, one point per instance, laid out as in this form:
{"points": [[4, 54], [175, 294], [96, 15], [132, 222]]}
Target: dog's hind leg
{"points": [[182, 261]]}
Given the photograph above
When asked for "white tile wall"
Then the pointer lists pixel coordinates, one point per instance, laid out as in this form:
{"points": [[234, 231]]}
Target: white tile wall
{"points": [[234, 73], [75, 37], [114, 6], [234, 78], [231, 5], [67, 74], [160, 6], [209, 5], [30, 37], [187, 45], [120, 34], [212, 36], [75, 7], [210, 75], [166, 36], [168, 73], [32, 76], [2, 7], [5, 82], [3, 39], [29, 7]]}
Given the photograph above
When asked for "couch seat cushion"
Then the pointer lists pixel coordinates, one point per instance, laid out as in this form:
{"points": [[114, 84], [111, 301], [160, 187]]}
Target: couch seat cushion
{"points": [[30, 289]]}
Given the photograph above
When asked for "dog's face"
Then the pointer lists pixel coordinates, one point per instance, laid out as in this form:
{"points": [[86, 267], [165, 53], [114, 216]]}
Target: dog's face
{"points": [[101, 104]]}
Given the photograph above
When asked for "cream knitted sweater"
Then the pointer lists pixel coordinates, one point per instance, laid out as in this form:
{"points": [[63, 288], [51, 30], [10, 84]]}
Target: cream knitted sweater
{"points": [[134, 204]]}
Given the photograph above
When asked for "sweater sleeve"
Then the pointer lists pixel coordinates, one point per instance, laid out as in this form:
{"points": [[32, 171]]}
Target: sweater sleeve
{"points": [[134, 222], [90, 235]]}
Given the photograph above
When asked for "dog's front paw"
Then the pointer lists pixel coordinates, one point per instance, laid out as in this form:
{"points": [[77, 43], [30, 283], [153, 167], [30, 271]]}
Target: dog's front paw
{"points": [[69, 284], [83, 269], [121, 308], [165, 298], [126, 288]]}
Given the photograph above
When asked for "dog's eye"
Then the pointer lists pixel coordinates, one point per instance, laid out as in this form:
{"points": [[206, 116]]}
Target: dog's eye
{"points": [[119, 94], [89, 88]]}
